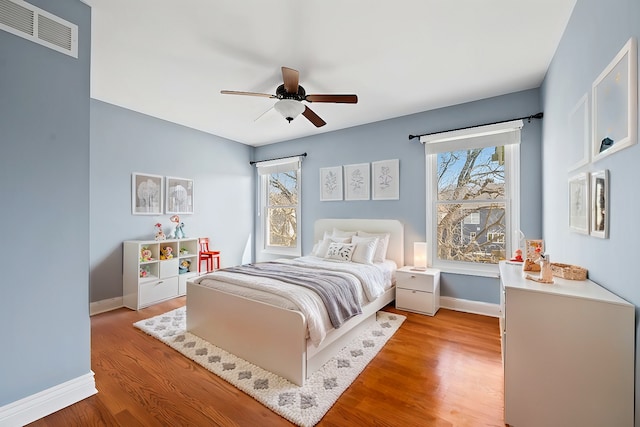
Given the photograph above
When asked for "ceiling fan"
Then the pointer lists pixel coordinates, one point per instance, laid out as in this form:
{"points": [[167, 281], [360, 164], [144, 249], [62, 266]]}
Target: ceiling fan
{"points": [[290, 96]]}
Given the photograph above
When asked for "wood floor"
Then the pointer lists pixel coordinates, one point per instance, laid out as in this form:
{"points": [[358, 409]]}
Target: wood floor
{"points": [[439, 371]]}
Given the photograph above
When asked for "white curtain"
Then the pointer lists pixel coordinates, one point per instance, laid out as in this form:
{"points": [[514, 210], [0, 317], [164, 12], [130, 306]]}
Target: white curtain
{"points": [[280, 165]]}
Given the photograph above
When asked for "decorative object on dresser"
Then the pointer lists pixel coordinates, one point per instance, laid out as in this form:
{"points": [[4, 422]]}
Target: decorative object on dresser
{"points": [[418, 290], [568, 353], [155, 271]]}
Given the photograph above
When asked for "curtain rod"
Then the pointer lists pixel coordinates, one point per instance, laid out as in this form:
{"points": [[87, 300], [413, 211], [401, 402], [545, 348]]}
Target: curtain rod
{"points": [[253, 162], [535, 116]]}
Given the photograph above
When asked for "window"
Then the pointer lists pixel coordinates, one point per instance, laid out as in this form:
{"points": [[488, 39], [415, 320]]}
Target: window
{"points": [[472, 205], [280, 205]]}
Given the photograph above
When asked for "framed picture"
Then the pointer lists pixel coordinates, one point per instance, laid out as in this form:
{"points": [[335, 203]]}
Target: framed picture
{"points": [[579, 141], [179, 196], [146, 194], [356, 185], [615, 104], [579, 203], [386, 180], [600, 204], [331, 183]]}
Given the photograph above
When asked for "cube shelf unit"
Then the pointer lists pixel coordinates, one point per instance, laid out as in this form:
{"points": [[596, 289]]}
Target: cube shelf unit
{"points": [[147, 282]]}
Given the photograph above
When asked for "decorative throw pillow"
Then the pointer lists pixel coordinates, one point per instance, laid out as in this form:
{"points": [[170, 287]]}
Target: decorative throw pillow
{"points": [[340, 251], [365, 249], [381, 248], [323, 245]]}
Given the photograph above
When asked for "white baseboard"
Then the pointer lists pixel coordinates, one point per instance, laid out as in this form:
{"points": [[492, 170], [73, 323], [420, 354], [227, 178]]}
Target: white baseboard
{"points": [[468, 306], [39, 405], [105, 305]]}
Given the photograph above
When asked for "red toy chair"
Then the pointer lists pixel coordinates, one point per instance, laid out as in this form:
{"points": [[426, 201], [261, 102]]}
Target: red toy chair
{"points": [[211, 257]]}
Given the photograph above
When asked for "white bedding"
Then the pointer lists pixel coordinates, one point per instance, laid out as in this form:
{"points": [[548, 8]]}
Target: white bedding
{"points": [[372, 280]]}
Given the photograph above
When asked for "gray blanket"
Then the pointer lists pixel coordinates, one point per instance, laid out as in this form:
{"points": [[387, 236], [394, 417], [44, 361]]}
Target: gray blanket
{"points": [[339, 294]]}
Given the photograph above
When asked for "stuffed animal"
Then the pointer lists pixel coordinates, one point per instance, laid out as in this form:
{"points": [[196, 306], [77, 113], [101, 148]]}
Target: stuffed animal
{"points": [[166, 252], [184, 266], [145, 254], [144, 271]]}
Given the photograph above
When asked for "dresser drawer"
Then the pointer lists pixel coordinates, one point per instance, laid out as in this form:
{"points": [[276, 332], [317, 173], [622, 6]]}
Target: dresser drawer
{"points": [[418, 301], [169, 267], [158, 290], [418, 281]]}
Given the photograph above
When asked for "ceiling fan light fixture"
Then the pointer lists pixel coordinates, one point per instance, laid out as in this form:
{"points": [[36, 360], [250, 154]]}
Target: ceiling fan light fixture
{"points": [[289, 108]]}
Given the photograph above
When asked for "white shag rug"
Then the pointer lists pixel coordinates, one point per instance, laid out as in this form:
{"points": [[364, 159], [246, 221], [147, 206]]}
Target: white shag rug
{"points": [[305, 405]]}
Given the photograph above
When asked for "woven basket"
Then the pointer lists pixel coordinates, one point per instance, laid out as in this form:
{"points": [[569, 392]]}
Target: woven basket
{"points": [[567, 271]]}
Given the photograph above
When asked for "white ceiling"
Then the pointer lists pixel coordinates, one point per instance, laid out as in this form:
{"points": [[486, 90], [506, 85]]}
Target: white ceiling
{"points": [[170, 59]]}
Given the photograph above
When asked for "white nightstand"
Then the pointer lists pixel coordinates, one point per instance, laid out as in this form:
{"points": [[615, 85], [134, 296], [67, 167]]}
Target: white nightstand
{"points": [[418, 290]]}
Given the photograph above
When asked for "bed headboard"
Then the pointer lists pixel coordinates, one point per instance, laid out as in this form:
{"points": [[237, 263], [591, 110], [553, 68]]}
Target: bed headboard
{"points": [[393, 226]]}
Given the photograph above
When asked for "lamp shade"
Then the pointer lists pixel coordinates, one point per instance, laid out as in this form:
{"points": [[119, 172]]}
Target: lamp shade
{"points": [[420, 255], [289, 108]]}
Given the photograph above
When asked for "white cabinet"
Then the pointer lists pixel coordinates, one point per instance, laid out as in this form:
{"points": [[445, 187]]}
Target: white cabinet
{"points": [[418, 290], [568, 352], [149, 276]]}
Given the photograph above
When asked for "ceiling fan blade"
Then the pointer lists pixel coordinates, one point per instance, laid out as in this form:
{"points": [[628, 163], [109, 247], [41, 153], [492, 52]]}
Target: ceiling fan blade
{"points": [[291, 79], [236, 92], [343, 99], [313, 117]]}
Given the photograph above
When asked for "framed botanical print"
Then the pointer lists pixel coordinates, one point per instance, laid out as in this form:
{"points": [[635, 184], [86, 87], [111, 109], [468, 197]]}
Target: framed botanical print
{"points": [[146, 194], [600, 204], [356, 181], [331, 183], [579, 203], [385, 180]]}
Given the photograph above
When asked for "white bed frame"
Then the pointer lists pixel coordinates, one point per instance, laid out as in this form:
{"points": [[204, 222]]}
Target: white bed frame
{"points": [[275, 338]]}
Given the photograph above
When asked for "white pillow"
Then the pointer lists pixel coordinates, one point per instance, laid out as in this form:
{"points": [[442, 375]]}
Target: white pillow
{"points": [[365, 249], [340, 251], [323, 245], [342, 233], [381, 248]]}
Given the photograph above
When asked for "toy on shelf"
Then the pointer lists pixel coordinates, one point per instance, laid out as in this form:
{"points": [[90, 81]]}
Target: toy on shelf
{"points": [[166, 252], [159, 233], [184, 266], [144, 271], [145, 254], [184, 251]]}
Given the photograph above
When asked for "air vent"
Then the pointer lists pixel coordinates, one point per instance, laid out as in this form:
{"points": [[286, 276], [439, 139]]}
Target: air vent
{"points": [[27, 21]]}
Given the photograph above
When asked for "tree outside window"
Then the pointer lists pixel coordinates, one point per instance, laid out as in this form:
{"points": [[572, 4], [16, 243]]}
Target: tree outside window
{"points": [[282, 210]]}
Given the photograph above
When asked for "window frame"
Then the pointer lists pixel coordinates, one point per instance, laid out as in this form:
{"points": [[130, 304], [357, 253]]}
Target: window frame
{"points": [[263, 213], [511, 201]]}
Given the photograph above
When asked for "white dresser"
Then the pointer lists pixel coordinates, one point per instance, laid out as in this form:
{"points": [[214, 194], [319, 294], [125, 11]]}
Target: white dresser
{"points": [[568, 352]]}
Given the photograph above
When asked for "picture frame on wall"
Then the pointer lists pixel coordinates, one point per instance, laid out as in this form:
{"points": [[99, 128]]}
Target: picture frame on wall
{"points": [[385, 180], [146, 194], [579, 203], [579, 140], [179, 197], [615, 104], [356, 181], [331, 184], [600, 204]]}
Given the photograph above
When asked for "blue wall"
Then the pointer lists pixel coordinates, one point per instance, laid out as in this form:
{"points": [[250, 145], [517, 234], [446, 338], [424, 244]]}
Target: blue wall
{"points": [[123, 142], [44, 194], [389, 140], [596, 32]]}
